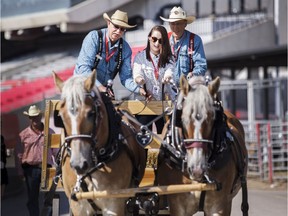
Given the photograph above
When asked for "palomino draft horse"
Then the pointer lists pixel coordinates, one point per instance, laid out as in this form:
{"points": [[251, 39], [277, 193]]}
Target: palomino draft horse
{"points": [[101, 152], [202, 143]]}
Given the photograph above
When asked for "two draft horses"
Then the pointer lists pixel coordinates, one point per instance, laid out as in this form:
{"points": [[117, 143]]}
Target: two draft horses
{"points": [[201, 143]]}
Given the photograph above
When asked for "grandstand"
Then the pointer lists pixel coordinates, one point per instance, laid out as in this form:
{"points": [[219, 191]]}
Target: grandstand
{"points": [[245, 44]]}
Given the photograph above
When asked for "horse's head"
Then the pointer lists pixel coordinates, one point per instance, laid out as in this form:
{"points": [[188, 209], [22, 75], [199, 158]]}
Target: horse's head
{"points": [[82, 112], [198, 114]]}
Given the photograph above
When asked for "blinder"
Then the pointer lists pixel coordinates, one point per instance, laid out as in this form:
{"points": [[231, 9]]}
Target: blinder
{"points": [[58, 122], [205, 144]]}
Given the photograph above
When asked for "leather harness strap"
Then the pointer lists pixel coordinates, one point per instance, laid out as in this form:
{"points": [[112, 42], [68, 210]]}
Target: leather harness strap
{"points": [[202, 201], [50, 194], [241, 167], [190, 49], [100, 48], [91, 202]]}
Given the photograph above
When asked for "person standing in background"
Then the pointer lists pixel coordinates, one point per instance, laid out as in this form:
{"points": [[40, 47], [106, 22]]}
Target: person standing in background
{"points": [[152, 67], [186, 46], [4, 173], [30, 154]]}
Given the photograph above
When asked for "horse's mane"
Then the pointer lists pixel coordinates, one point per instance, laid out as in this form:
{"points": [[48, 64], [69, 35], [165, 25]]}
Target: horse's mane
{"points": [[198, 101], [73, 91]]}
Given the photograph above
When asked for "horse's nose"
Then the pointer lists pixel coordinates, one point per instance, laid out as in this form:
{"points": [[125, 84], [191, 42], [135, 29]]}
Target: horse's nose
{"points": [[80, 168], [195, 172], [198, 172]]}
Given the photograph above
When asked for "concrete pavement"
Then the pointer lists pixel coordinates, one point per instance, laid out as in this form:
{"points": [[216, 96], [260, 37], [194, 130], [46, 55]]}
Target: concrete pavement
{"points": [[15, 198], [263, 200]]}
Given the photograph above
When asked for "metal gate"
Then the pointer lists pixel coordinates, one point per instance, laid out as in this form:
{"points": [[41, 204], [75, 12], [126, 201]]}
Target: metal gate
{"points": [[267, 145]]}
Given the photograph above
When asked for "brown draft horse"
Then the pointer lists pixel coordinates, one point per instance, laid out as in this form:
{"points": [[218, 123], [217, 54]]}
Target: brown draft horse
{"points": [[101, 151], [202, 143]]}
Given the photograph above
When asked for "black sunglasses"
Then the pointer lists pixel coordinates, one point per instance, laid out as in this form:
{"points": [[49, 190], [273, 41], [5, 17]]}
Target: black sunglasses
{"points": [[155, 39], [118, 27]]}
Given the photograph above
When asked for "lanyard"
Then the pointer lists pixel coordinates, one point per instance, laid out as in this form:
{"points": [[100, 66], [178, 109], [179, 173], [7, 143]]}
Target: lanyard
{"points": [[108, 56], [156, 70], [190, 50], [177, 50]]}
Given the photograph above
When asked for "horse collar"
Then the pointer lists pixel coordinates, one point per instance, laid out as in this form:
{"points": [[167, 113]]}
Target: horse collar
{"points": [[112, 147]]}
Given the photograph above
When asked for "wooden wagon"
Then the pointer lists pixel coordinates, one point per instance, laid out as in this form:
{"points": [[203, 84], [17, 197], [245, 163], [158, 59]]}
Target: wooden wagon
{"points": [[146, 186]]}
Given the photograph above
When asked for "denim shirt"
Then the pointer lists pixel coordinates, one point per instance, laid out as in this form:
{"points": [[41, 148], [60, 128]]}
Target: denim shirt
{"points": [[105, 70], [181, 49]]}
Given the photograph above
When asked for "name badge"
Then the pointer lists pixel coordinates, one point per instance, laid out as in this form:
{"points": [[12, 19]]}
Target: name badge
{"points": [[156, 90]]}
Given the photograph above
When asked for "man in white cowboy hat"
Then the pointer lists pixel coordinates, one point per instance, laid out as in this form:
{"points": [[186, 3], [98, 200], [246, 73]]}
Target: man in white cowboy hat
{"points": [[29, 152], [107, 52], [186, 46]]}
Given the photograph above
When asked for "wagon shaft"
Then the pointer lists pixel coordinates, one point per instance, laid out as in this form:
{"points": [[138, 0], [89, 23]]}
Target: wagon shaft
{"points": [[161, 190]]}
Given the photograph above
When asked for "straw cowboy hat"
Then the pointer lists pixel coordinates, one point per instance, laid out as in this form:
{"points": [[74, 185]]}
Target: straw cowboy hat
{"points": [[177, 14], [33, 111], [119, 18]]}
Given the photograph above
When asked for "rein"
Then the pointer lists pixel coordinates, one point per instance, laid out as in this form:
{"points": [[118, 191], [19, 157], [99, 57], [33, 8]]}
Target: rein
{"points": [[145, 133], [127, 97]]}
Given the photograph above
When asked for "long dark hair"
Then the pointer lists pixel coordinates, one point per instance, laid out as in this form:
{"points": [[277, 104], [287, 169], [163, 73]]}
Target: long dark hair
{"points": [[166, 55]]}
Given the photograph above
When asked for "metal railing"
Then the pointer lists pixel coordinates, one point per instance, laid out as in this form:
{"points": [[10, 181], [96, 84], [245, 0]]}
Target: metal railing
{"points": [[229, 24], [208, 28], [267, 145]]}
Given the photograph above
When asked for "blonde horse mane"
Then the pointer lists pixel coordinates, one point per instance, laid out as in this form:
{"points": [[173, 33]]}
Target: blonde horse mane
{"points": [[198, 101], [73, 91]]}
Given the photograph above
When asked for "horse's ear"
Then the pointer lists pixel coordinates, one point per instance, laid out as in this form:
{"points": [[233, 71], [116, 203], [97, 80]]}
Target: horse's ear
{"points": [[214, 86], [90, 81], [58, 81], [184, 85]]}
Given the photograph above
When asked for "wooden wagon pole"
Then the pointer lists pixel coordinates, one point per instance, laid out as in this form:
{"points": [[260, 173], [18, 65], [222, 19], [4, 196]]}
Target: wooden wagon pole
{"points": [[161, 190]]}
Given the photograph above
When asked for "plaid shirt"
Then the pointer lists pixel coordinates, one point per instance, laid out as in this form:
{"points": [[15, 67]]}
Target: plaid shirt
{"points": [[30, 149]]}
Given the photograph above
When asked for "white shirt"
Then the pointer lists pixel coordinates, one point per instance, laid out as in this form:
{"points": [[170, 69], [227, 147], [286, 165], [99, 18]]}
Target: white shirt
{"points": [[146, 70]]}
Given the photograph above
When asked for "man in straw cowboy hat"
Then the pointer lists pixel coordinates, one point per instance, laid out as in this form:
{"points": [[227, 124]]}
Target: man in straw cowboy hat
{"points": [[29, 152], [186, 46], [107, 52]]}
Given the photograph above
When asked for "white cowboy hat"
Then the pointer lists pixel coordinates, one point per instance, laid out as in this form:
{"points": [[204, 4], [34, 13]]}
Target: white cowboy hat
{"points": [[33, 111], [177, 14], [119, 18]]}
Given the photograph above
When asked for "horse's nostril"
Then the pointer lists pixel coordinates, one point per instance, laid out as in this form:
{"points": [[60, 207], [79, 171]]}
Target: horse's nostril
{"points": [[80, 168], [85, 165], [198, 172], [190, 170]]}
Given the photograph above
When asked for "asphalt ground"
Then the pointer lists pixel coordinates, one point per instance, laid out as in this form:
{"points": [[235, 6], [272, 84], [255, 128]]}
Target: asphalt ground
{"points": [[264, 199]]}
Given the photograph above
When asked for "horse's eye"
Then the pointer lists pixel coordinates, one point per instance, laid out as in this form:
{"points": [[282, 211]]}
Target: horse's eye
{"points": [[198, 116], [91, 114]]}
